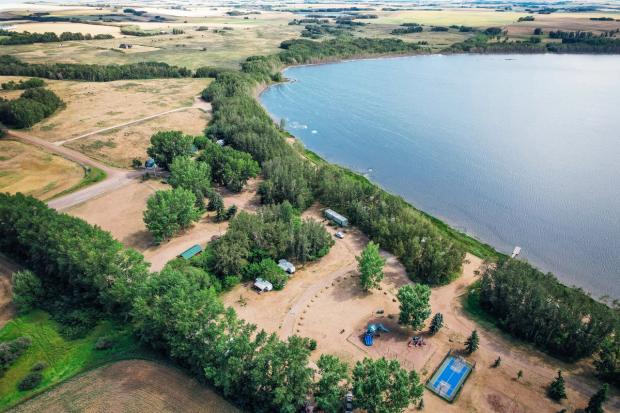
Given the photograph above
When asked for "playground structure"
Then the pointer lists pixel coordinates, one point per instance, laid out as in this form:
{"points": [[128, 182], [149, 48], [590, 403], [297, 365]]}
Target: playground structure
{"points": [[373, 330], [417, 341], [450, 377]]}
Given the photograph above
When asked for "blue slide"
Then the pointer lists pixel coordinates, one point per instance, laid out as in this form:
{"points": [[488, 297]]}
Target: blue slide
{"points": [[368, 339]]}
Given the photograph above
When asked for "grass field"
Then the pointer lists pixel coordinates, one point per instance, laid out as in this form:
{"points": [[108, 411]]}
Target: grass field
{"points": [[64, 358], [94, 106], [130, 386], [117, 147], [33, 171]]}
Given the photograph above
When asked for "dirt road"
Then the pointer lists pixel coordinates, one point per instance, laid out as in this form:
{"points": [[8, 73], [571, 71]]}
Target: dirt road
{"points": [[116, 177]]}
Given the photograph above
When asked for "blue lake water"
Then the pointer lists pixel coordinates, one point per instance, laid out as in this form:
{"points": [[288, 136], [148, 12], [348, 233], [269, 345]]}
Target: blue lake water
{"points": [[514, 150]]}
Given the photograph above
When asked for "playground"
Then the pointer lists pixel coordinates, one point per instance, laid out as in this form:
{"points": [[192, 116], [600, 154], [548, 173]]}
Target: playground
{"points": [[450, 377]]}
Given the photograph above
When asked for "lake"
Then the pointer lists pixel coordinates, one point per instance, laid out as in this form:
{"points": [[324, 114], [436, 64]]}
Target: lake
{"points": [[513, 150]]}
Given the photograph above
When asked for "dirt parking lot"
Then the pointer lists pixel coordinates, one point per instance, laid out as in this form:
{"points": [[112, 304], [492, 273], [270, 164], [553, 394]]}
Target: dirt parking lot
{"points": [[130, 386], [120, 212]]}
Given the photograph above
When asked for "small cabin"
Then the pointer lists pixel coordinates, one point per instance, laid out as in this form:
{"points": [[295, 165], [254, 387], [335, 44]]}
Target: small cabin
{"points": [[336, 217], [286, 266], [191, 252], [263, 285]]}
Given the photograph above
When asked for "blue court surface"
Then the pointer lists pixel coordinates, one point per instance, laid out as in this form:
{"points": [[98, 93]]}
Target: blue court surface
{"points": [[449, 377]]}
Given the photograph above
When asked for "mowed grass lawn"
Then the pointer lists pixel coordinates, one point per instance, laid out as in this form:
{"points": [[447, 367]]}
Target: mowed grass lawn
{"points": [[64, 358]]}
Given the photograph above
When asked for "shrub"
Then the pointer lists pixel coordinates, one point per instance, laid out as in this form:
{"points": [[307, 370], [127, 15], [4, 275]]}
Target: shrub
{"points": [[31, 381], [27, 290], [11, 350], [39, 366], [104, 343]]}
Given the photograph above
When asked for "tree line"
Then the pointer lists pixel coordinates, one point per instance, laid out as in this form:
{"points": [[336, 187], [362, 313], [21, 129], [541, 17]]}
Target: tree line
{"points": [[12, 66], [23, 84], [178, 311], [13, 38], [32, 106], [241, 122], [537, 308]]}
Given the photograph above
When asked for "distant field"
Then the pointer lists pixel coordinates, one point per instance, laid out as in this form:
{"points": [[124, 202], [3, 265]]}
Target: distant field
{"points": [[260, 34], [60, 27], [33, 171], [465, 17], [118, 147], [130, 386]]}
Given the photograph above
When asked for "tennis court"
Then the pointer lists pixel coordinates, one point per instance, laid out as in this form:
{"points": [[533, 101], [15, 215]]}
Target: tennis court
{"points": [[449, 377]]}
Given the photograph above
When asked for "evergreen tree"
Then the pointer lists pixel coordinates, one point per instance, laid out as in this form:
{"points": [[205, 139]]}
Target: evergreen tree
{"points": [[436, 323], [497, 362], [595, 405], [557, 390], [370, 264], [472, 342]]}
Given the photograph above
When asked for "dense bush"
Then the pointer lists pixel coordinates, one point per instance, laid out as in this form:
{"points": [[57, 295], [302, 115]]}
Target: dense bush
{"points": [[192, 175], [275, 232], [71, 258], [288, 179], [31, 381], [31, 107], [229, 167], [168, 212], [267, 269], [536, 307], [23, 84], [11, 66], [27, 290], [167, 145], [11, 350], [11, 37]]}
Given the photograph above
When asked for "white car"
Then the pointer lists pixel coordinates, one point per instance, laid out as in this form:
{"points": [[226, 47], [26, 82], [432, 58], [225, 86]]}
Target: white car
{"points": [[339, 234]]}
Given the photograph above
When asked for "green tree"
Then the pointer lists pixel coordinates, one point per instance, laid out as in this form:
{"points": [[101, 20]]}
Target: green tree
{"points": [[382, 386], [167, 145], [170, 211], [330, 389], [436, 323], [414, 305], [497, 362], [370, 264], [557, 389], [607, 360], [27, 290], [192, 175], [472, 343], [595, 405]]}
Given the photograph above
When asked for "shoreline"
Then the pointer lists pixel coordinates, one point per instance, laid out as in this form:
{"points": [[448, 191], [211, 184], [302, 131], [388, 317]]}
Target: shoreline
{"points": [[437, 219]]}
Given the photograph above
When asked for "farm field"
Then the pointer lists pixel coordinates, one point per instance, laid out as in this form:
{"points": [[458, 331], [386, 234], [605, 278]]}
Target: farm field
{"points": [[130, 386], [33, 171]]}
